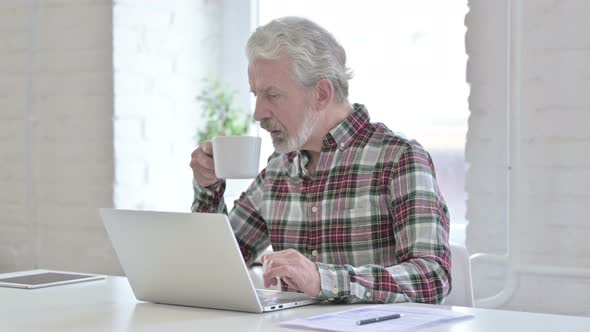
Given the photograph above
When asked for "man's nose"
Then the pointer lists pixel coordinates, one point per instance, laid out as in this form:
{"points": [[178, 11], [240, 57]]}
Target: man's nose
{"points": [[260, 112]]}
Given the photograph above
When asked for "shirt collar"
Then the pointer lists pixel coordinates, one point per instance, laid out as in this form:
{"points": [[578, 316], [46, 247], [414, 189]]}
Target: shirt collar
{"points": [[343, 134]]}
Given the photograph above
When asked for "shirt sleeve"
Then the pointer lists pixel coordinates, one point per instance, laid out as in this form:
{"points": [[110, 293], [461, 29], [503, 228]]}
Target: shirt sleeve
{"points": [[420, 228], [209, 199], [245, 217], [247, 221]]}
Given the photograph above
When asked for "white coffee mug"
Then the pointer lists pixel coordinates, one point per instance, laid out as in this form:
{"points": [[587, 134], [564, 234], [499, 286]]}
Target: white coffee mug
{"points": [[236, 157]]}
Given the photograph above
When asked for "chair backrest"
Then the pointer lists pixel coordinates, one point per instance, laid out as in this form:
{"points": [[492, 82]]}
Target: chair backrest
{"points": [[462, 291]]}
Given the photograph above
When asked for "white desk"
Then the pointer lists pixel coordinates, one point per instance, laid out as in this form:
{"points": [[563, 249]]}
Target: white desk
{"points": [[109, 305]]}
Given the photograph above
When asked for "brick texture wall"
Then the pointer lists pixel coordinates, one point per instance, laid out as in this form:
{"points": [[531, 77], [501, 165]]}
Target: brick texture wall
{"points": [[162, 53], [97, 109], [553, 140], [56, 149]]}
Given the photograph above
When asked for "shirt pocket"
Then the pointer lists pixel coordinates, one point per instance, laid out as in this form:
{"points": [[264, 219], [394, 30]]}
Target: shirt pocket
{"points": [[358, 235], [362, 222]]}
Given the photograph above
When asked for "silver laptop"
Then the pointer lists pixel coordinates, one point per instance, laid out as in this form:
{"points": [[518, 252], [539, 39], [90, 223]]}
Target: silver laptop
{"points": [[189, 259]]}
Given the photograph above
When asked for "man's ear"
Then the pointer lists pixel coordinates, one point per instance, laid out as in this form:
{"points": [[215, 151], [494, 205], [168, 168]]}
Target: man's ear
{"points": [[324, 93]]}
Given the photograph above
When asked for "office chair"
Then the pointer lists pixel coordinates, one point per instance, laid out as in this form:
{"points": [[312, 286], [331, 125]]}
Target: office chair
{"points": [[462, 291]]}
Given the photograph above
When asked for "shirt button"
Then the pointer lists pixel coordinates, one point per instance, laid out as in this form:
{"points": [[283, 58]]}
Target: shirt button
{"points": [[342, 145], [335, 290], [368, 294], [314, 209], [314, 253]]}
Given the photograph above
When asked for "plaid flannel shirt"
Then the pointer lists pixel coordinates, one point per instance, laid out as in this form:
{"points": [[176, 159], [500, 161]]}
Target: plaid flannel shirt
{"points": [[372, 217]]}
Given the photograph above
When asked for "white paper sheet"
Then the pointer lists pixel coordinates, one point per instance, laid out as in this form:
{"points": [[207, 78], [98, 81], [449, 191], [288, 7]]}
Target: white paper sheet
{"points": [[345, 321]]}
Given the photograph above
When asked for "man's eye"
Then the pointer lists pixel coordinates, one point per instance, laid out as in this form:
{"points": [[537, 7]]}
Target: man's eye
{"points": [[273, 96]]}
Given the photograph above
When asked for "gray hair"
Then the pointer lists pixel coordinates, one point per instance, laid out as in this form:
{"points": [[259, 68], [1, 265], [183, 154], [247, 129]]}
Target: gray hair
{"points": [[314, 51]]}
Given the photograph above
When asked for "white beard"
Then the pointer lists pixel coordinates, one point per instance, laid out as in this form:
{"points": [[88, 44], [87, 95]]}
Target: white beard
{"points": [[297, 141]]}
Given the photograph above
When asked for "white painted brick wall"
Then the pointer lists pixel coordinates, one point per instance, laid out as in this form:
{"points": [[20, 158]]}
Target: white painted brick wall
{"points": [[555, 141], [162, 51], [97, 136], [64, 50], [485, 150]]}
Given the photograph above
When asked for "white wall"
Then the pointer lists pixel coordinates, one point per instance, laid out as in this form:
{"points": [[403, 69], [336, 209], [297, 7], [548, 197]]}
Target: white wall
{"points": [[82, 127], [239, 19], [162, 52], [56, 149], [548, 75]]}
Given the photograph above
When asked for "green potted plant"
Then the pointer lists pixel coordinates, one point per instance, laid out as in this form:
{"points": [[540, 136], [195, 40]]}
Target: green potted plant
{"points": [[221, 114]]}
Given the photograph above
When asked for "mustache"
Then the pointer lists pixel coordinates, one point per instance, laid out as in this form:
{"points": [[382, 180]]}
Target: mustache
{"points": [[270, 126]]}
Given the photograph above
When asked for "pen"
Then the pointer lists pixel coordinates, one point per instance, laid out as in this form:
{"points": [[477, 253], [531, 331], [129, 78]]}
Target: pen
{"points": [[377, 319]]}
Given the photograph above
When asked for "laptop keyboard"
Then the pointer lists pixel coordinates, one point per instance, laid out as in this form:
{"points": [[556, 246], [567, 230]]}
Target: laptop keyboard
{"points": [[269, 297]]}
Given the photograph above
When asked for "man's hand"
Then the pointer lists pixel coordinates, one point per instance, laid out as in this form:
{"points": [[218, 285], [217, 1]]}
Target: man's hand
{"points": [[293, 268], [203, 166]]}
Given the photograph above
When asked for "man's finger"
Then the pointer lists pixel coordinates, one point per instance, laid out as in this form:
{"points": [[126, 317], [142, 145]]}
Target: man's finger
{"points": [[279, 271], [207, 148], [290, 283], [268, 260], [270, 255], [281, 259], [269, 275], [271, 282], [276, 256], [263, 258], [206, 162]]}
